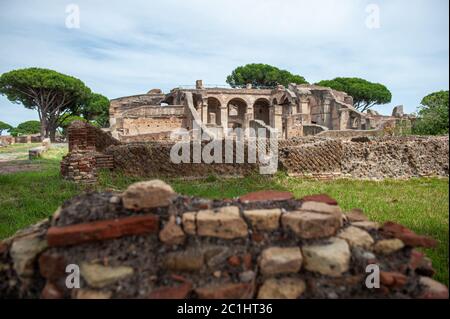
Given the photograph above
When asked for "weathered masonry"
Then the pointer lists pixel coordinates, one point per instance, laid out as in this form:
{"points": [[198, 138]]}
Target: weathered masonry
{"points": [[91, 149], [297, 110], [151, 243]]}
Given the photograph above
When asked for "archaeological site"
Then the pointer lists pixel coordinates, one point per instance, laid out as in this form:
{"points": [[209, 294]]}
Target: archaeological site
{"points": [[224, 158], [150, 242], [317, 131]]}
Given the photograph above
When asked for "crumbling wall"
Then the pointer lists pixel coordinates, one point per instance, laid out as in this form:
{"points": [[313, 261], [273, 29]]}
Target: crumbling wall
{"points": [[313, 158], [150, 242], [396, 157], [153, 159], [364, 157], [85, 157], [320, 157]]}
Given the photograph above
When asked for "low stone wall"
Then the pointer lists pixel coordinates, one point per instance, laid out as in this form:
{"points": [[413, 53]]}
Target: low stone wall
{"points": [[319, 157], [350, 133], [150, 242], [37, 152], [313, 129], [153, 159], [396, 157], [363, 157], [8, 140]]}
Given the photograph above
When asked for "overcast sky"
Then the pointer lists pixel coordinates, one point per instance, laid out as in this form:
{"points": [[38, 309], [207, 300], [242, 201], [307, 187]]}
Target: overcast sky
{"points": [[128, 47]]}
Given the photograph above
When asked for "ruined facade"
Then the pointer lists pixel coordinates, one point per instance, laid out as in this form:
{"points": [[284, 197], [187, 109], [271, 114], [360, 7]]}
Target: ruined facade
{"points": [[298, 110]]}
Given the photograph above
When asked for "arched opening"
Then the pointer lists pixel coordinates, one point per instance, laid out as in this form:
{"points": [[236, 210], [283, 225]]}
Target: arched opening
{"points": [[274, 101], [261, 110], [213, 111], [236, 112], [169, 100]]}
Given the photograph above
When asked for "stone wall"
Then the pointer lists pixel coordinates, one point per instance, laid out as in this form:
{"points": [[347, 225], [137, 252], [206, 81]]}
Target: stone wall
{"points": [[138, 126], [153, 159], [85, 137], [360, 157], [319, 157], [148, 137], [85, 157], [363, 157], [151, 243], [349, 133], [8, 140]]}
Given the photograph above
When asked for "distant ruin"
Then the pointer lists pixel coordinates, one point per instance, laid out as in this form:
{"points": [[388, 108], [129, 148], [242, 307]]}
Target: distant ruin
{"points": [[298, 110]]}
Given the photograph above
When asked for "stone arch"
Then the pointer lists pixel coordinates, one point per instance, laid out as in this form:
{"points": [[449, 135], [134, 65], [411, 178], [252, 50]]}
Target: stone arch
{"points": [[237, 108], [286, 99], [261, 110], [213, 110], [169, 100]]}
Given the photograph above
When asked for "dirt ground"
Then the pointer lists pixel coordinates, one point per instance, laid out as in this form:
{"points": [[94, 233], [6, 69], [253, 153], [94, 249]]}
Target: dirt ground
{"points": [[8, 167], [15, 159]]}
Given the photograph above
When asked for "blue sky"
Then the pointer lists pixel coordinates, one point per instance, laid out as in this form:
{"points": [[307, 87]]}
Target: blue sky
{"points": [[128, 47]]}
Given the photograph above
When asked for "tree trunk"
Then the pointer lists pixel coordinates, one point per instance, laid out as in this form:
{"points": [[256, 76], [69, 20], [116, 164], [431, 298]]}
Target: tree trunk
{"points": [[43, 128], [52, 135]]}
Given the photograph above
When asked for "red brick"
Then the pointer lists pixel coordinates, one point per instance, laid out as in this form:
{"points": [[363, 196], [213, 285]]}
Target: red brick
{"points": [[392, 279], [322, 198], [234, 261], [51, 291], [247, 261], [101, 230], [269, 195], [178, 278], [406, 235], [174, 292], [52, 266], [257, 237], [226, 291]]}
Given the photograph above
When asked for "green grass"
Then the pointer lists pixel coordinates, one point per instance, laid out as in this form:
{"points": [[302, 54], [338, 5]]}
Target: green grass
{"points": [[420, 204], [27, 197], [19, 147]]}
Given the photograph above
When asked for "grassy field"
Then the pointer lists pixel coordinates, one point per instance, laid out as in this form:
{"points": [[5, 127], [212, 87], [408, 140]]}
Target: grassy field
{"points": [[420, 204]]}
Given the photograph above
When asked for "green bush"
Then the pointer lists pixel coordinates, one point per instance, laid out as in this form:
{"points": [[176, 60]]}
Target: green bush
{"points": [[26, 128], [432, 117]]}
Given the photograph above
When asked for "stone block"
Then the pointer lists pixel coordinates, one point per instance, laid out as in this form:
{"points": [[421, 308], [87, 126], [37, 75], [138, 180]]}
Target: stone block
{"points": [[330, 259], [226, 223], [308, 225], [279, 260], [264, 219]]}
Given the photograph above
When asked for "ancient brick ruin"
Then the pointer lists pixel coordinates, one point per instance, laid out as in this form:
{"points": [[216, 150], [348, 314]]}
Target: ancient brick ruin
{"points": [[298, 110], [149, 242], [91, 149], [85, 157]]}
